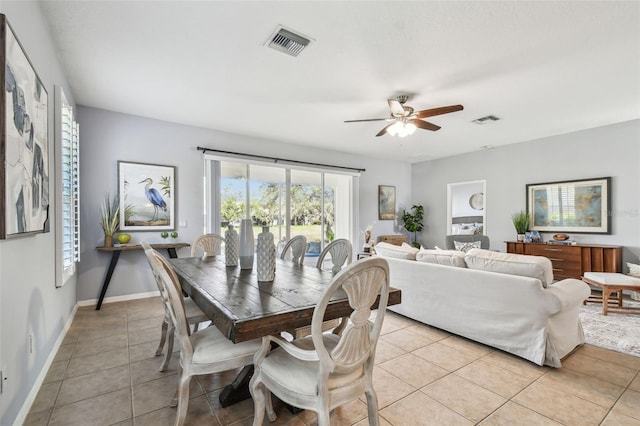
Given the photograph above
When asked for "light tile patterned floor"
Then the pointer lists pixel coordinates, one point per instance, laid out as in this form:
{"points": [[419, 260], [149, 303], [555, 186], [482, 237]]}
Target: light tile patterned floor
{"points": [[105, 373]]}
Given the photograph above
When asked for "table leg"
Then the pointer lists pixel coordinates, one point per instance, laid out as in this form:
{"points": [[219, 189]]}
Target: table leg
{"points": [[172, 252], [239, 389], [115, 255]]}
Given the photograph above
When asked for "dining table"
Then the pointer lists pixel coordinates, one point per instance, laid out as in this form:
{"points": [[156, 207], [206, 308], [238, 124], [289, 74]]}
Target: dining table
{"points": [[243, 308]]}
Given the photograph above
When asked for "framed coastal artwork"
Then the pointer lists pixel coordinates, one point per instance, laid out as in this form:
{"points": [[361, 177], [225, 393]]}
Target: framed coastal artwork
{"points": [[147, 196], [577, 206], [24, 144], [386, 202]]}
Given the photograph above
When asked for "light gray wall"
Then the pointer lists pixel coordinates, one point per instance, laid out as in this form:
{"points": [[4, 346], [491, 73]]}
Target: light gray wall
{"points": [[29, 301], [107, 137], [604, 151]]}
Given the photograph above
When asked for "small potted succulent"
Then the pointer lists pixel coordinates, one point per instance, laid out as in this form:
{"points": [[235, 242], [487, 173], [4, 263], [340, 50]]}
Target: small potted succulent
{"points": [[110, 220], [521, 223]]}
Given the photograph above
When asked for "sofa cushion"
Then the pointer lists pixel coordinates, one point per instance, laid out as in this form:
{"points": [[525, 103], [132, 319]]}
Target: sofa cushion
{"points": [[400, 252], [515, 264], [466, 246], [442, 257]]}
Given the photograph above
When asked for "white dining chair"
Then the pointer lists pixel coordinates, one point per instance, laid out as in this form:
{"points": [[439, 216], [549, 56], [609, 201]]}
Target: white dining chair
{"points": [[298, 246], [208, 243], [205, 351], [194, 314], [340, 251], [323, 371]]}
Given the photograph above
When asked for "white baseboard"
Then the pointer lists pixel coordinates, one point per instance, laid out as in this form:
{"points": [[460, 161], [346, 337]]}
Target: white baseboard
{"points": [[26, 406], [93, 302]]}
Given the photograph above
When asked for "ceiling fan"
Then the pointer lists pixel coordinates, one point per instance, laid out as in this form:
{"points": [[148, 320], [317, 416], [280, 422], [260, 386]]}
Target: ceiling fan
{"points": [[405, 120]]}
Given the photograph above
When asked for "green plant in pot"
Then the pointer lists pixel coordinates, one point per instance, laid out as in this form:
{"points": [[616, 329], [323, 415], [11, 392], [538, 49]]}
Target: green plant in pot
{"points": [[413, 221], [521, 223], [110, 220]]}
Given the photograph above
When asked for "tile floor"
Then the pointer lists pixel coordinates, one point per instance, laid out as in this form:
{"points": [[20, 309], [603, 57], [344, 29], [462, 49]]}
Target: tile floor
{"points": [[106, 373]]}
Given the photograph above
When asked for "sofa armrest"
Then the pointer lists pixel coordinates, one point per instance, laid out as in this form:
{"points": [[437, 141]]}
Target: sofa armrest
{"points": [[570, 292]]}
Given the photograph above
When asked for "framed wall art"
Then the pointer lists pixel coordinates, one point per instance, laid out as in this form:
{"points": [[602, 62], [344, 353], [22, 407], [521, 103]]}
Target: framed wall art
{"points": [[147, 196], [386, 202], [24, 145], [577, 206]]}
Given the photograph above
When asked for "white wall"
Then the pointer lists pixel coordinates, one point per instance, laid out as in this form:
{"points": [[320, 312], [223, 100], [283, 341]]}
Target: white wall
{"points": [[107, 137], [604, 151], [29, 301]]}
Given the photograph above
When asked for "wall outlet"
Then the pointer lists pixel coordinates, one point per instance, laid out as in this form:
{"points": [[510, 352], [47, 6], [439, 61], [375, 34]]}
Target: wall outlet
{"points": [[182, 224]]}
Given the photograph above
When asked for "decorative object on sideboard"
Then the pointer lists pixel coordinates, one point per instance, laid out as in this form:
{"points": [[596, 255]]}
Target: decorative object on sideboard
{"points": [[413, 222], [560, 237], [368, 240], [521, 223], [124, 238], [231, 246], [266, 255], [109, 215], [174, 235], [246, 244]]}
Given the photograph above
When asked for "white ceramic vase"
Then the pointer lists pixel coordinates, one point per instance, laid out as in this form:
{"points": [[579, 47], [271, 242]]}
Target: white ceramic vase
{"points": [[231, 246], [246, 244], [266, 255]]}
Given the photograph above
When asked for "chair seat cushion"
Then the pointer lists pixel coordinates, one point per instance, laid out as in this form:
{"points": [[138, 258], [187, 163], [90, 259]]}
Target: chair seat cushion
{"points": [[301, 377], [210, 345]]}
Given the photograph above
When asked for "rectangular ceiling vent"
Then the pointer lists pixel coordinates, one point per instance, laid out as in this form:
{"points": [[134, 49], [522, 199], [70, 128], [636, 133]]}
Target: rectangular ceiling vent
{"points": [[485, 120], [288, 42]]}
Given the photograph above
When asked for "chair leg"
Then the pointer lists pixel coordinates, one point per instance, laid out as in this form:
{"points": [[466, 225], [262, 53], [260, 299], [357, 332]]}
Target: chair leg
{"points": [[257, 393], [163, 337], [324, 416], [183, 398], [372, 407], [167, 356], [271, 415]]}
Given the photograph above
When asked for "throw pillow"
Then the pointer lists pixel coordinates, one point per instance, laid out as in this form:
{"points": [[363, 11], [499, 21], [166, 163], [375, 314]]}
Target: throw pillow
{"points": [[538, 267], [399, 252], [465, 247], [442, 257]]}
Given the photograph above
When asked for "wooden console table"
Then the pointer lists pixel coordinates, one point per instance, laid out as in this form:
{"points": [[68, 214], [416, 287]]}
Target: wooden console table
{"points": [[573, 261], [115, 255]]}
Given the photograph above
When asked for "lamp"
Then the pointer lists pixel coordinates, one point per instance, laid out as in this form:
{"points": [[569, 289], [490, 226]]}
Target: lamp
{"points": [[401, 128]]}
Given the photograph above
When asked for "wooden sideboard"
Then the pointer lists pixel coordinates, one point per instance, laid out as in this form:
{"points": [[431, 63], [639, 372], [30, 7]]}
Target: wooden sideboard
{"points": [[573, 261]]}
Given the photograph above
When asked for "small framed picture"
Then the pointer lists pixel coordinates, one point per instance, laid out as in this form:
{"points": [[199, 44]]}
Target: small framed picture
{"points": [[386, 202], [147, 194]]}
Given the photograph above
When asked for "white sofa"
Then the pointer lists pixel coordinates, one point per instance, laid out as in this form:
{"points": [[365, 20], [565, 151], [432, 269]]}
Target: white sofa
{"points": [[528, 316]]}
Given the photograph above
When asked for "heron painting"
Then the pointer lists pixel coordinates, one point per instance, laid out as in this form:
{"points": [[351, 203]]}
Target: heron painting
{"points": [[147, 193]]}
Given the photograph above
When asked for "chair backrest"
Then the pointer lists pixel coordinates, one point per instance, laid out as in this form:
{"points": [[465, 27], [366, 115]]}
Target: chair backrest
{"points": [[171, 294], [362, 281], [298, 246], [451, 239], [210, 244], [341, 252]]}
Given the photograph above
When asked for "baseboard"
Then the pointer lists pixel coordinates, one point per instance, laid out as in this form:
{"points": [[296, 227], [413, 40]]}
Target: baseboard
{"points": [[26, 406], [93, 302]]}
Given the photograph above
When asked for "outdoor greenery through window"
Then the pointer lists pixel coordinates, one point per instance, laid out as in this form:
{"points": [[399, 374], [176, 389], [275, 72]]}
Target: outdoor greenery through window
{"points": [[316, 204]]}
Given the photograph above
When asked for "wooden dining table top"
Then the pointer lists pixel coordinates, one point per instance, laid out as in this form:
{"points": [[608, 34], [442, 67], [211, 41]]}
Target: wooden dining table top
{"points": [[243, 308]]}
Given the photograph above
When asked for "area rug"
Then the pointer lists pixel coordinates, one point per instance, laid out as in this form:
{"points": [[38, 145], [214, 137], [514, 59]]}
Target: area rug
{"points": [[619, 332]]}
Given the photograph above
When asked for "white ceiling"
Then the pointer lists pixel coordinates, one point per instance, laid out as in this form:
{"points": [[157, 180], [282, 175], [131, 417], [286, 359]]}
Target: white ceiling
{"points": [[545, 68]]}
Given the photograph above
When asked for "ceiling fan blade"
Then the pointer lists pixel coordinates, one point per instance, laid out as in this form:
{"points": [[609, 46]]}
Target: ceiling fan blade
{"points": [[395, 107], [366, 119], [384, 130], [437, 111], [425, 125]]}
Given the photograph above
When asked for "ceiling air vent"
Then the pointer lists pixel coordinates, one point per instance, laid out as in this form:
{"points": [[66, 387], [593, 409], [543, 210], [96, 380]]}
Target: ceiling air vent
{"points": [[288, 42], [485, 120]]}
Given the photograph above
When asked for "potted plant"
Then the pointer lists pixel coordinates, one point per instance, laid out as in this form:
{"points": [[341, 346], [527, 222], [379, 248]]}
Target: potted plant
{"points": [[521, 223], [109, 218], [413, 221]]}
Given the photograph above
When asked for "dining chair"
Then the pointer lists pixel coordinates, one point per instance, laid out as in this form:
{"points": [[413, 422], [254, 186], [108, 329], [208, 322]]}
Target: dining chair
{"points": [[298, 246], [340, 251], [323, 371], [194, 315], [205, 351], [209, 243]]}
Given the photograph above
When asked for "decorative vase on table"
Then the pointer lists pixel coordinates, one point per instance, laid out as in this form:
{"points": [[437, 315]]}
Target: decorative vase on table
{"points": [[108, 240], [266, 253], [231, 246], [246, 244]]}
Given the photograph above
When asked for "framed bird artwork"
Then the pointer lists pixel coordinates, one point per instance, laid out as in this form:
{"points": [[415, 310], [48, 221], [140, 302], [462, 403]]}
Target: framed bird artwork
{"points": [[147, 194]]}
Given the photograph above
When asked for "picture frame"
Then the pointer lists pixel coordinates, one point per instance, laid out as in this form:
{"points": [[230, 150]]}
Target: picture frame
{"points": [[147, 196], [24, 141], [386, 202], [574, 206]]}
